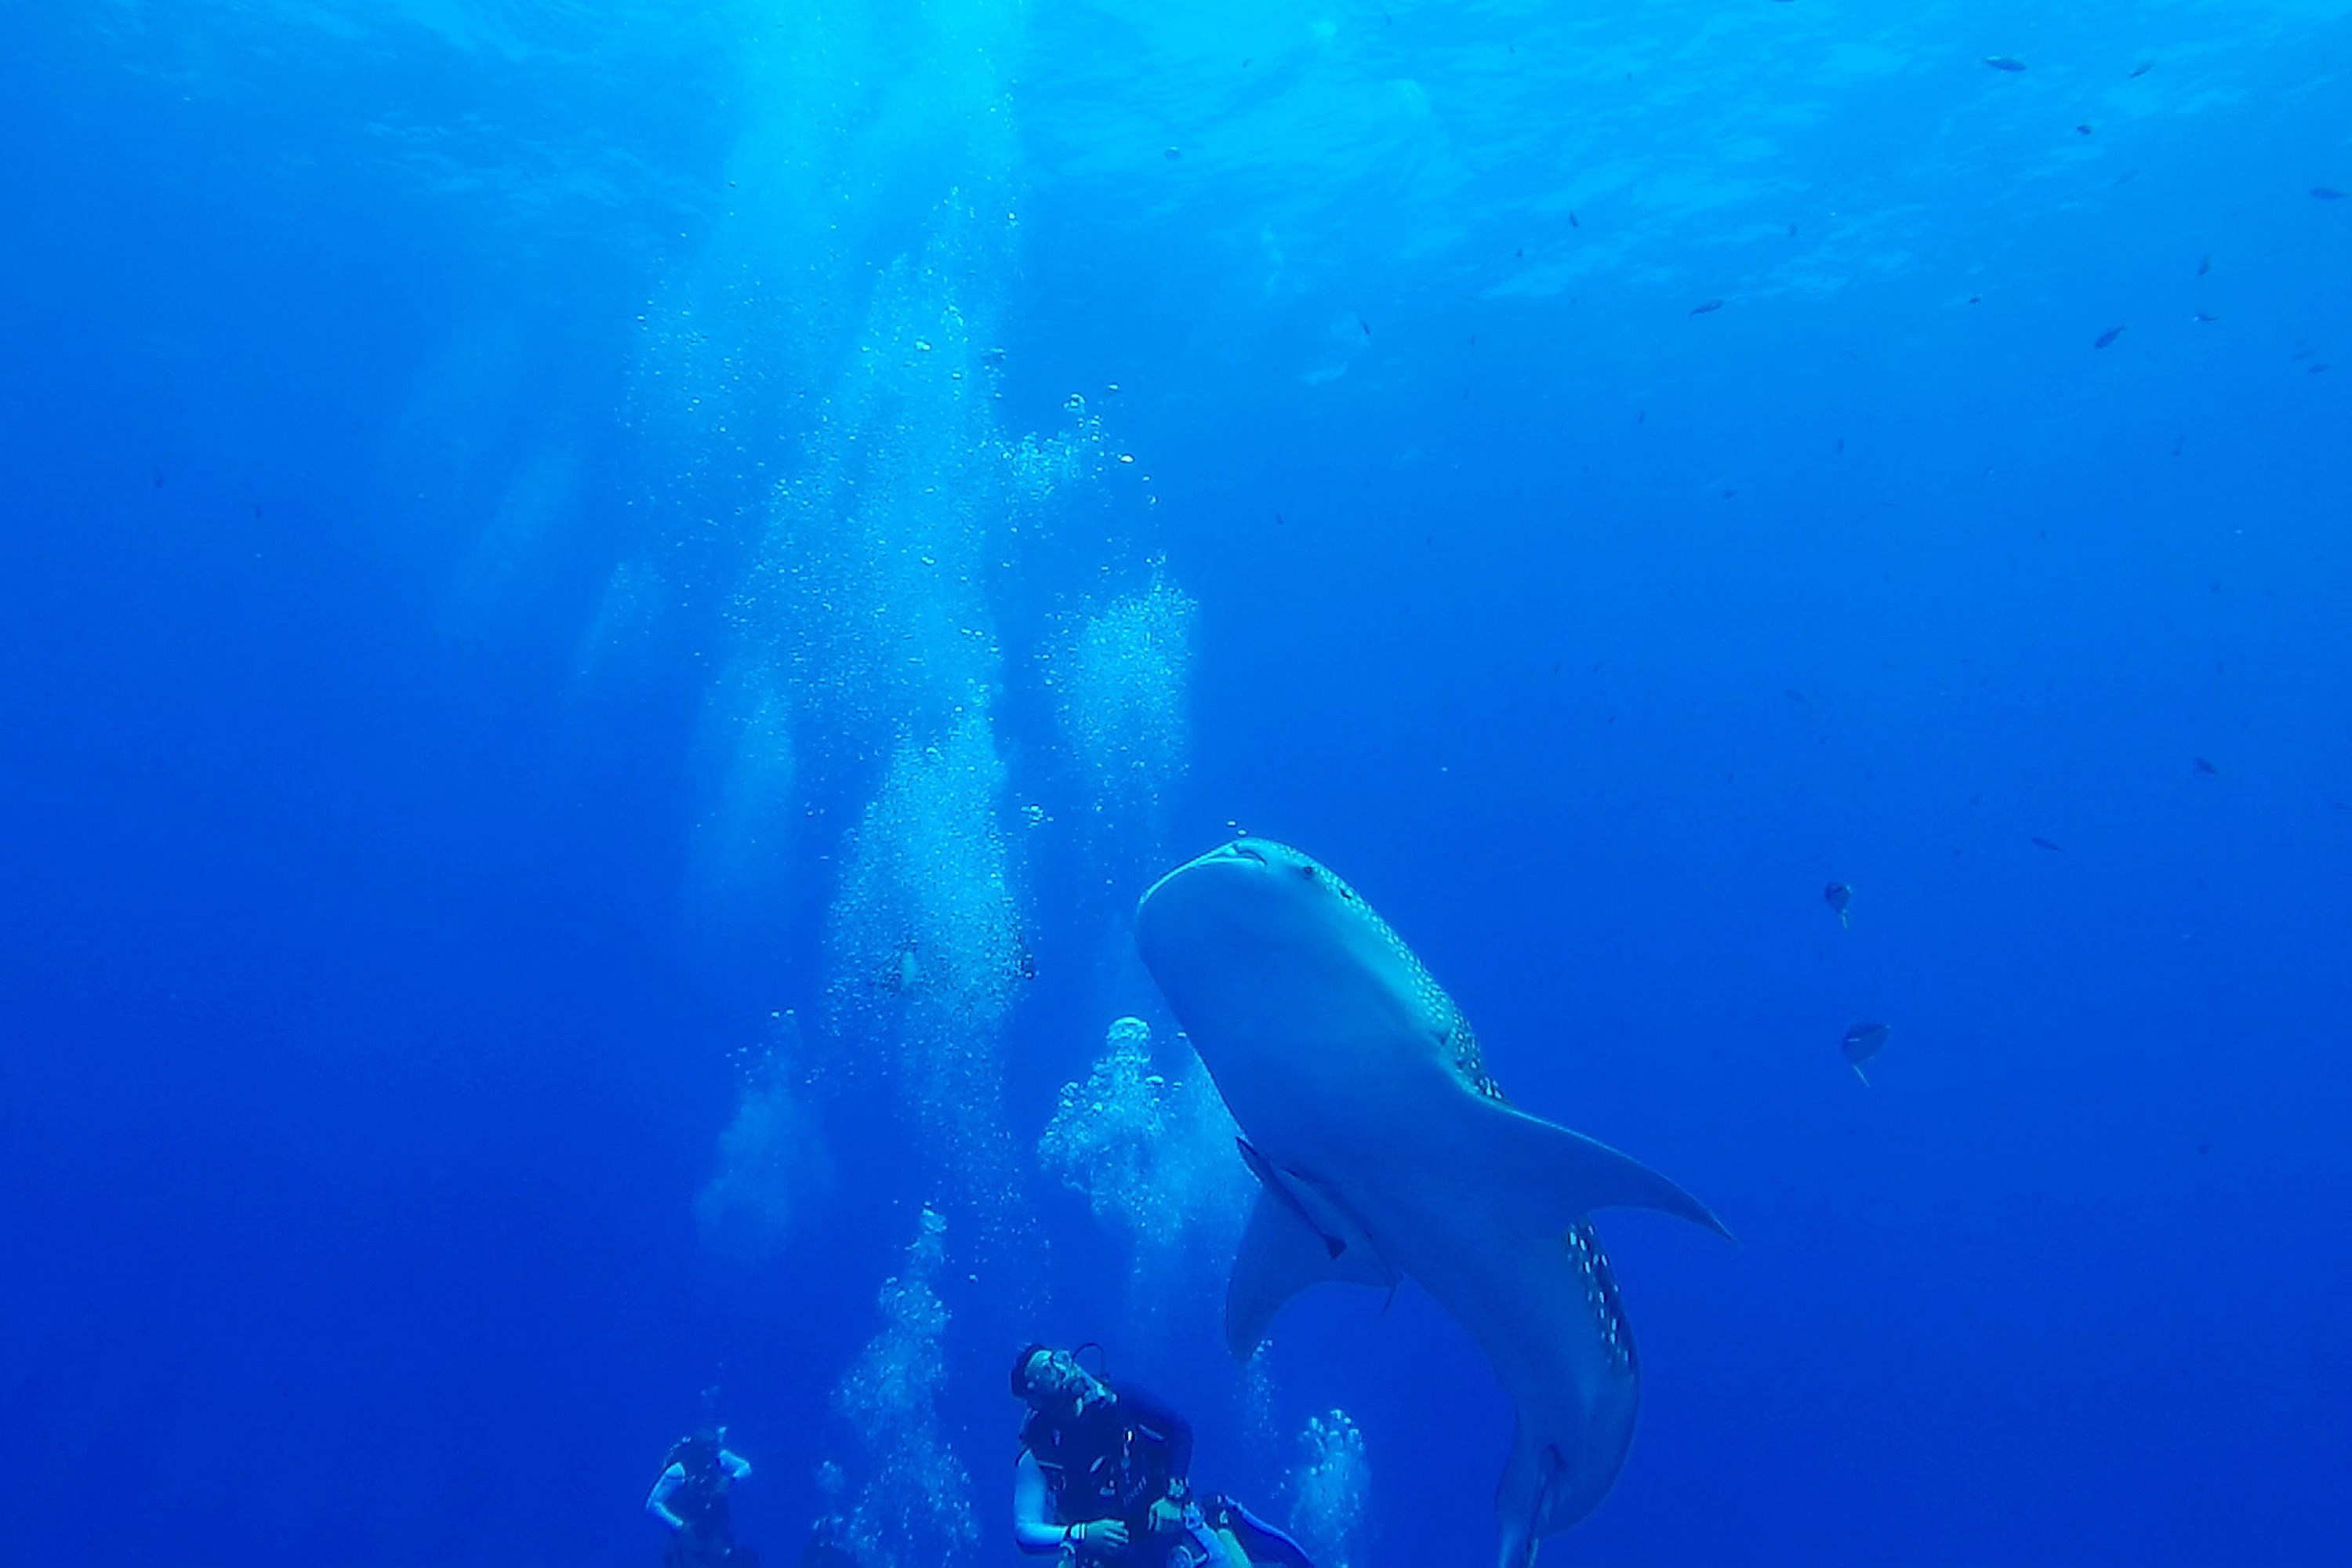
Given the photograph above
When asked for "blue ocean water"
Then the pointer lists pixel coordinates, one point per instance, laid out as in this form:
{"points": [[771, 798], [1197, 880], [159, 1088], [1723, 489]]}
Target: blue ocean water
{"points": [[607, 607]]}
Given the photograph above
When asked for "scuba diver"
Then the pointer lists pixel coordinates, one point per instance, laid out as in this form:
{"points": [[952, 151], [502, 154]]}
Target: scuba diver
{"points": [[1103, 1477], [691, 1497]]}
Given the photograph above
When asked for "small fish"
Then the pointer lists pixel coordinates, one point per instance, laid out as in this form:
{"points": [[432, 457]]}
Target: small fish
{"points": [[2103, 339], [1572, 222], [1863, 1042], [2040, 843], [2327, 193], [1793, 694], [2081, 130], [2205, 767], [2204, 316], [1705, 307], [2143, 67], [1172, 153], [2204, 264], [2314, 369], [2004, 62], [1839, 897], [1366, 325]]}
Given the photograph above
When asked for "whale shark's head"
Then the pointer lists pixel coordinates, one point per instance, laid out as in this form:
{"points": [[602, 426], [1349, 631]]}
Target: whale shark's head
{"points": [[1255, 941]]}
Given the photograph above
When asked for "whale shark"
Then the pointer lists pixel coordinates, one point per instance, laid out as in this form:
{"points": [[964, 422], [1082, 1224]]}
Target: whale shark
{"points": [[1383, 1149]]}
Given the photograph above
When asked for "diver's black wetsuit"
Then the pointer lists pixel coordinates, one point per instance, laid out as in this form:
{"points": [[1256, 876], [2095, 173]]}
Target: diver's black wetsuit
{"points": [[707, 1538], [1113, 1461]]}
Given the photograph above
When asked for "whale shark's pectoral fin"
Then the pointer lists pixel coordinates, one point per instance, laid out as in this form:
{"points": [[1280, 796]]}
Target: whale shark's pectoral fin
{"points": [[1547, 1178], [1295, 1239], [1271, 1185]]}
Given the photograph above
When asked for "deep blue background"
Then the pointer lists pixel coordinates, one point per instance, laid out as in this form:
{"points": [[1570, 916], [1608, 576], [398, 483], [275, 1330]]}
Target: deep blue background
{"points": [[363, 1039]]}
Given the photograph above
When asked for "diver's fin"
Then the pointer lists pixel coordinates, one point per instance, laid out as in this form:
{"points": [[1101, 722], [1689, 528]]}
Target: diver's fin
{"points": [[1284, 1250], [1547, 1178], [1265, 1543]]}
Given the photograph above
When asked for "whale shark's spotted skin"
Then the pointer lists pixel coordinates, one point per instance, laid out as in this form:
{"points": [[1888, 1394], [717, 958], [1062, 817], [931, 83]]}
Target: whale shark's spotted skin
{"points": [[1461, 1040], [1583, 1242], [1600, 1296]]}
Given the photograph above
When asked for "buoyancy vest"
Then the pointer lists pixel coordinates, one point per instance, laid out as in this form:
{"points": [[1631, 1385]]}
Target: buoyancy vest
{"points": [[1098, 1463], [701, 1499]]}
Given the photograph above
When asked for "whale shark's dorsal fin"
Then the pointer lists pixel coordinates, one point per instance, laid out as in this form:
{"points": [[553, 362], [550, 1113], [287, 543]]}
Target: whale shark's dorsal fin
{"points": [[1295, 1239], [1545, 1178]]}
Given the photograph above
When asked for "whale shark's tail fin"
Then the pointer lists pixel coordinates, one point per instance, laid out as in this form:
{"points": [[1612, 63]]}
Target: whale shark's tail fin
{"points": [[1547, 1178]]}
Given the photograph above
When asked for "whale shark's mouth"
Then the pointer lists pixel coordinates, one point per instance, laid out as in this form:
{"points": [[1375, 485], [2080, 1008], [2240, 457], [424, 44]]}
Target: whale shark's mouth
{"points": [[1240, 851]]}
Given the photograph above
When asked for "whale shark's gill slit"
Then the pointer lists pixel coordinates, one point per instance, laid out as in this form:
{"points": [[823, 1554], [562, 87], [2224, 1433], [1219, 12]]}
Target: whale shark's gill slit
{"points": [[1601, 1294], [1461, 1044]]}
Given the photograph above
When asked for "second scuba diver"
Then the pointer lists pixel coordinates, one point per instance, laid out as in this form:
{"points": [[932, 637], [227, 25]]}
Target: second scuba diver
{"points": [[690, 1498], [1103, 1477]]}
